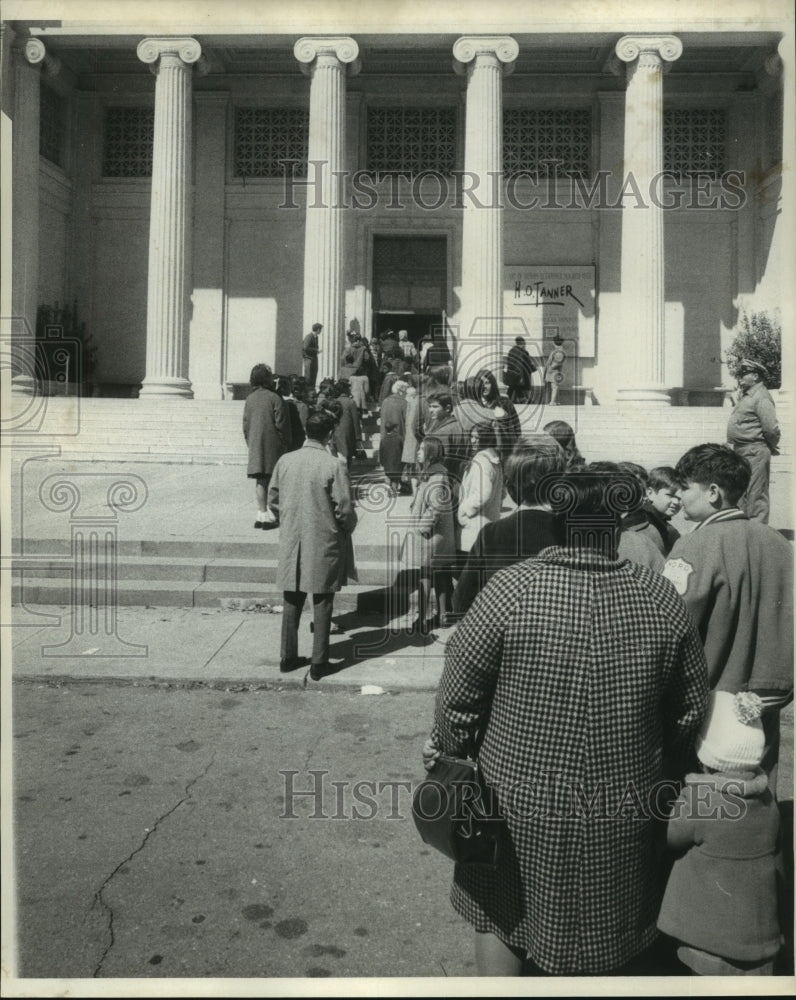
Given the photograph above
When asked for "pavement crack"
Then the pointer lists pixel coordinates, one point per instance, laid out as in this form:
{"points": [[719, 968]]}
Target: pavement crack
{"points": [[224, 643], [312, 750], [99, 899]]}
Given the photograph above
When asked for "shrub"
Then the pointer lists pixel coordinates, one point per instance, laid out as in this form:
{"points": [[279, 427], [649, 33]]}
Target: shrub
{"points": [[759, 338]]}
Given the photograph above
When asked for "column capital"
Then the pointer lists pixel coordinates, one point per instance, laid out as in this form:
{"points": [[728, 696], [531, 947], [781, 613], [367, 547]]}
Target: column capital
{"points": [[665, 48], [151, 49], [467, 49], [773, 64], [34, 51], [36, 54], [770, 74], [343, 48]]}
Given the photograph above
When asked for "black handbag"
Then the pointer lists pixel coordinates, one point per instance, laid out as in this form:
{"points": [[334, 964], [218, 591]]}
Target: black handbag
{"points": [[457, 813]]}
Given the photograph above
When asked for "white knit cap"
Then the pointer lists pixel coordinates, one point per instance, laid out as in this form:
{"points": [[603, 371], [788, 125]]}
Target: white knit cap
{"points": [[731, 737]]}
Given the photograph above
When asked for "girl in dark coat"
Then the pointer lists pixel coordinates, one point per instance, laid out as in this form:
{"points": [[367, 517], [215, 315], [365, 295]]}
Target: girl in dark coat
{"points": [[721, 900], [284, 389], [267, 434], [435, 536], [393, 431]]}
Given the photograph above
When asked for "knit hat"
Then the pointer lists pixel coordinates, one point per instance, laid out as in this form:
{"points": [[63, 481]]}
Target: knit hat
{"points": [[731, 737]]}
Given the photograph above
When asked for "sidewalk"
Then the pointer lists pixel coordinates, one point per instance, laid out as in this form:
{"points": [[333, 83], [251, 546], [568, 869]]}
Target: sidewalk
{"points": [[170, 511], [219, 648]]}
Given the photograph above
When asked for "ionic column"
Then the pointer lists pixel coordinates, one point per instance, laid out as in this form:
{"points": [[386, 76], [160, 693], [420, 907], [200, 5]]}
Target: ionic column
{"points": [[484, 59], [771, 292], [24, 205], [170, 217], [643, 332], [327, 62], [788, 195], [206, 327]]}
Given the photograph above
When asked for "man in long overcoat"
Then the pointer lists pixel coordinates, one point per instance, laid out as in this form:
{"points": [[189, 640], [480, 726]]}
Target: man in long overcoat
{"points": [[266, 429], [520, 366], [310, 498]]}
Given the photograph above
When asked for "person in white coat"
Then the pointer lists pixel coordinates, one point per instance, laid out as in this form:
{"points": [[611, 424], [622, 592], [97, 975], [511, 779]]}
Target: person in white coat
{"points": [[482, 486]]}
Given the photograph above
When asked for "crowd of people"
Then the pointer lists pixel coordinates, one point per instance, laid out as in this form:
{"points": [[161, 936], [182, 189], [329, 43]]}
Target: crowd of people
{"points": [[591, 646]]}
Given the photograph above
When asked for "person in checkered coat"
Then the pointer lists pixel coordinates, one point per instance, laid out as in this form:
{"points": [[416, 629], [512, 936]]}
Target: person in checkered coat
{"points": [[582, 681]]}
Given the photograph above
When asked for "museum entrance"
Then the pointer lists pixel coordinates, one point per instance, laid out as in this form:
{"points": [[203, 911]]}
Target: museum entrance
{"points": [[410, 276]]}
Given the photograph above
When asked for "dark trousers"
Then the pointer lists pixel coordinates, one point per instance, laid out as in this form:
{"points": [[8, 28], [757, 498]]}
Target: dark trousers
{"points": [[310, 371], [754, 502], [322, 617]]}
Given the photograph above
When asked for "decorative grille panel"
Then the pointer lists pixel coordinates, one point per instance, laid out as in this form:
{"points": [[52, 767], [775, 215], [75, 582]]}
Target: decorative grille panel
{"points": [[410, 140], [266, 136], [52, 126], [129, 138], [695, 140], [425, 254], [531, 137]]}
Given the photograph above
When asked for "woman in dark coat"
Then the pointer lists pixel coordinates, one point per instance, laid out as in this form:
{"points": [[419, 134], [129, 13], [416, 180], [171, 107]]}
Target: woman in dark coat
{"points": [[347, 433], [284, 389], [393, 431], [388, 380], [573, 676], [267, 433]]}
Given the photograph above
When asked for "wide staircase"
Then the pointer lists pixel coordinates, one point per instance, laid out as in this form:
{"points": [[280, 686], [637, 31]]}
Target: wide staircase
{"points": [[151, 568]]}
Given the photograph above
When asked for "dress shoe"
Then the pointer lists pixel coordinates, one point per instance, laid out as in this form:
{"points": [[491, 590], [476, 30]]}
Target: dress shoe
{"points": [[285, 666], [320, 670]]}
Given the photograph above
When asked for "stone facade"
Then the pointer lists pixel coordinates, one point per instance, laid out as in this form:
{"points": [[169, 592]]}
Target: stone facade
{"points": [[192, 269]]}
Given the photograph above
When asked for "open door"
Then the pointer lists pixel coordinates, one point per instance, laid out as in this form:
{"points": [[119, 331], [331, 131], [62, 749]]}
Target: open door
{"points": [[410, 275]]}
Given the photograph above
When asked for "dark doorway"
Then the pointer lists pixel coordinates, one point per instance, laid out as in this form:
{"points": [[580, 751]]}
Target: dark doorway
{"points": [[417, 325], [410, 277]]}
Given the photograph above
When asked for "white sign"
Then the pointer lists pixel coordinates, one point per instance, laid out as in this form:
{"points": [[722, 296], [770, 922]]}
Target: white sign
{"points": [[552, 300]]}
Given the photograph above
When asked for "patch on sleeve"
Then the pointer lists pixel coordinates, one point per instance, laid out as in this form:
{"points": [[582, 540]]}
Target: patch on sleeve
{"points": [[678, 571]]}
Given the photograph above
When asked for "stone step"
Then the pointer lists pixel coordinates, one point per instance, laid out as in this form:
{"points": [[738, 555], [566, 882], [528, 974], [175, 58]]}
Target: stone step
{"points": [[214, 421], [264, 546], [170, 593], [182, 570]]}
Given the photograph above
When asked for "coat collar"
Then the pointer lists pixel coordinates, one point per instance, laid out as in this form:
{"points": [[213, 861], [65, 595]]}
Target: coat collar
{"points": [[726, 514], [309, 443], [758, 389], [583, 559]]}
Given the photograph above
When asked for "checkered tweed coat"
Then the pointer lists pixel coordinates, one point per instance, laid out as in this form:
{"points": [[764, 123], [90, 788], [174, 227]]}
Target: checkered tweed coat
{"points": [[582, 673]]}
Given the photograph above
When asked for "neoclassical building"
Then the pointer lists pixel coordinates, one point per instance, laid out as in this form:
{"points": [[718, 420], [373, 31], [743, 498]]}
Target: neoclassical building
{"points": [[206, 194]]}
